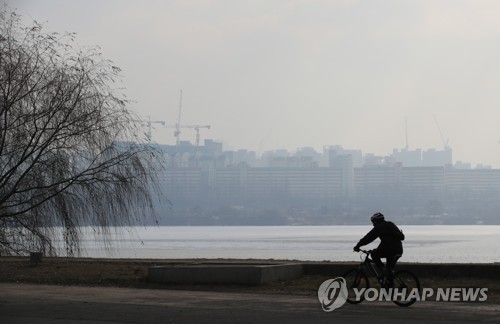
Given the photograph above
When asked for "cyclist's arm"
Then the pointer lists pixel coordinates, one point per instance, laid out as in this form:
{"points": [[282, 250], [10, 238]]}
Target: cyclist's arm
{"points": [[369, 237]]}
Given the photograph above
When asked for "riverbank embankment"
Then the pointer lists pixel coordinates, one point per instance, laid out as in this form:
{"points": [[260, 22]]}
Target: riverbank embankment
{"points": [[133, 273]]}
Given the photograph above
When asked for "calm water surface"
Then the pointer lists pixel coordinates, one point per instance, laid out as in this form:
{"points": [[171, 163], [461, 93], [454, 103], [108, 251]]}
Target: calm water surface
{"points": [[436, 244]]}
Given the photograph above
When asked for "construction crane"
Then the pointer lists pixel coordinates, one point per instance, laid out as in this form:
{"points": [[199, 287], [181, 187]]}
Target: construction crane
{"points": [[177, 131], [178, 126], [445, 142], [197, 128], [148, 123]]}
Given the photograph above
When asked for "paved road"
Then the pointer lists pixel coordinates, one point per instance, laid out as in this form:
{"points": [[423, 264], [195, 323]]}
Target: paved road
{"points": [[39, 304]]}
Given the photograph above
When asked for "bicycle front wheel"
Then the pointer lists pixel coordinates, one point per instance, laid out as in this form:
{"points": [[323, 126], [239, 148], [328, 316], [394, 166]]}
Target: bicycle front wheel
{"points": [[406, 288], [356, 280]]}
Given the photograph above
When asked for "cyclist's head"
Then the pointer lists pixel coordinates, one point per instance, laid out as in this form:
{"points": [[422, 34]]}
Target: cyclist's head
{"points": [[377, 218]]}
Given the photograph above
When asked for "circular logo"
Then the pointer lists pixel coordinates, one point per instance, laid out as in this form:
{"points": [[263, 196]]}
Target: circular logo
{"points": [[332, 294]]}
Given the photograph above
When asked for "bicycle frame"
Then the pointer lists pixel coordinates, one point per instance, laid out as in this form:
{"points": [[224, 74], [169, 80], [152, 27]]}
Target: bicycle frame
{"points": [[368, 263], [358, 278]]}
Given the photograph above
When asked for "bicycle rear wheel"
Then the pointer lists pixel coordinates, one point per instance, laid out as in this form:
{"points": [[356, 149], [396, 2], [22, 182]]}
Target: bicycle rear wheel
{"points": [[355, 281], [406, 288]]}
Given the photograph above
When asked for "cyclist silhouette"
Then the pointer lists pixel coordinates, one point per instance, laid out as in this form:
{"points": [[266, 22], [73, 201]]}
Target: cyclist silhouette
{"points": [[390, 246]]}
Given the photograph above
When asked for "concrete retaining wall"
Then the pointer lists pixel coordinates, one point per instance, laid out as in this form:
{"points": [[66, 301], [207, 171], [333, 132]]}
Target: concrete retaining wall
{"points": [[256, 274], [243, 274]]}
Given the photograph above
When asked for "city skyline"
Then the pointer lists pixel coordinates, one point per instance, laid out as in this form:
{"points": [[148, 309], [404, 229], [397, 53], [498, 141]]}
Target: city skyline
{"points": [[408, 157], [288, 74], [209, 186]]}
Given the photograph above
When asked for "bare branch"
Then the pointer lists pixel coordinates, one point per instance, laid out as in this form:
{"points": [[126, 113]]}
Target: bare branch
{"points": [[69, 154]]}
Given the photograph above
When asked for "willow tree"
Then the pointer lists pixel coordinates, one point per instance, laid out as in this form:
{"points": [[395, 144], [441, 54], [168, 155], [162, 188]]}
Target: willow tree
{"points": [[69, 153]]}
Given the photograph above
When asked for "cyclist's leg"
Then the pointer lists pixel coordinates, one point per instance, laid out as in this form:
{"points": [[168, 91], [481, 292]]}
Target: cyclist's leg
{"points": [[391, 261], [376, 255]]}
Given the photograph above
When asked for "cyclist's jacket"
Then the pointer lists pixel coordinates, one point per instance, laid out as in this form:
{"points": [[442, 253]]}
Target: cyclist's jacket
{"points": [[390, 237]]}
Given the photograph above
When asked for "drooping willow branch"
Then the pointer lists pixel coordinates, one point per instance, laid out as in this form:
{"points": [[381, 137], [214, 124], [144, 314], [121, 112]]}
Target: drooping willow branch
{"points": [[69, 151]]}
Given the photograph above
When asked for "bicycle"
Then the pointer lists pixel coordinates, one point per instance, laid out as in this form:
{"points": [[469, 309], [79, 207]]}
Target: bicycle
{"points": [[400, 286]]}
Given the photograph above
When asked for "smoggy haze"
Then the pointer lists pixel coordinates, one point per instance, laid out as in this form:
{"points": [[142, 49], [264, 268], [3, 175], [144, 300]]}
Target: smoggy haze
{"points": [[288, 74]]}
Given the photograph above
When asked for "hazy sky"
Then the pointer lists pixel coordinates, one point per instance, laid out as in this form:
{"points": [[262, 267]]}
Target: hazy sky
{"points": [[269, 74]]}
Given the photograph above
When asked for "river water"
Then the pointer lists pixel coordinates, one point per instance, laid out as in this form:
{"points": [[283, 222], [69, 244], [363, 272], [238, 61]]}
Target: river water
{"points": [[435, 244]]}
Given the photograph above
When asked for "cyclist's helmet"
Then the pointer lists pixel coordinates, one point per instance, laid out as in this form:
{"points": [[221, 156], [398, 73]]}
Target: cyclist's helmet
{"points": [[377, 217]]}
